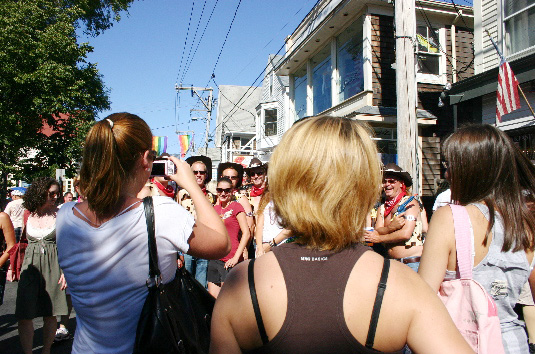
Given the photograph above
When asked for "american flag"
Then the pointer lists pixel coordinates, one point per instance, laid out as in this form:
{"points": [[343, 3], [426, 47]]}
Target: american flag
{"points": [[507, 95]]}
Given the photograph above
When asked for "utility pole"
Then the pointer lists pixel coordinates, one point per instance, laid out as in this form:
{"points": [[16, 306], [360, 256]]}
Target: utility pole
{"points": [[208, 103], [407, 125]]}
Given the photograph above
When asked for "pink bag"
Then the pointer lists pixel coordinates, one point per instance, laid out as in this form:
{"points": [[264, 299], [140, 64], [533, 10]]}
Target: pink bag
{"points": [[472, 309]]}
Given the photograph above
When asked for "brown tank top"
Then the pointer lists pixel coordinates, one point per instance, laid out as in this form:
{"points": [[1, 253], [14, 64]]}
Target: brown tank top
{"points": [[315, 284]]}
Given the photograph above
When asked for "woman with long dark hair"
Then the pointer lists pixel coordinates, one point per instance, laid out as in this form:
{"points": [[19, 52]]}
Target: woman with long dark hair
{"points": [[495, 182], [41, 289], [102, 241], [326, 292]]}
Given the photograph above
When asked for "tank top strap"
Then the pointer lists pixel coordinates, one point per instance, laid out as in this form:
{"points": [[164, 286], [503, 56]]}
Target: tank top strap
{"points": [[498, 232], [483, 208], [82, 214], [128, 208]]}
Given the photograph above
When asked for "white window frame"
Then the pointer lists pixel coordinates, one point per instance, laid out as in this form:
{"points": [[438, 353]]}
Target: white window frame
{"points": [[439, 78], [266, 107], [523, 52]]}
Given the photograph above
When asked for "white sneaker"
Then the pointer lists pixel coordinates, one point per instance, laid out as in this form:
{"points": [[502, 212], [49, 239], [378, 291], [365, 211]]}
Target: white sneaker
{"points": [[62, 334]]}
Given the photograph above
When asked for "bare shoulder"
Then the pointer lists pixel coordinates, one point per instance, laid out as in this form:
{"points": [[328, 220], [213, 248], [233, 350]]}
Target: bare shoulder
{"points": [[441, 226], [443, 214], [234, 304], [244, 202], [4, 219]]}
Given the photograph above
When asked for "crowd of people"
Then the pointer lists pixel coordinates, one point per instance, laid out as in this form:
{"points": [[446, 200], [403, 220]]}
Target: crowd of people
{"points": [[337, 248]]}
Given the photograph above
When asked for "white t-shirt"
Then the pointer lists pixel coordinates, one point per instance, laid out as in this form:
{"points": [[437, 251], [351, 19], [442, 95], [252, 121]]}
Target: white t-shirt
{"points": [[271, 224], [15, 210], [106, 269], [443, 198]]}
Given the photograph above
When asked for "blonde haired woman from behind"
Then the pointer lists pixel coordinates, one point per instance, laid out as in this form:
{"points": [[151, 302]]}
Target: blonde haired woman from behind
{"points": [[102, 242], [317, 295]]}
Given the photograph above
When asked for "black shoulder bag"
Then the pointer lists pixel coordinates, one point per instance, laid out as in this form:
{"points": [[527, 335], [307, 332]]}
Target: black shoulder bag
{"points": [[176, 316]]}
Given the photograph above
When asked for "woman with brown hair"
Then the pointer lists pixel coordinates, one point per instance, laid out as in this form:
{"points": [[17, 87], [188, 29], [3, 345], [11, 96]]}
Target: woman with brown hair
{"points": [[320, 294], [495, 182], [41, 288], [102, 241]]}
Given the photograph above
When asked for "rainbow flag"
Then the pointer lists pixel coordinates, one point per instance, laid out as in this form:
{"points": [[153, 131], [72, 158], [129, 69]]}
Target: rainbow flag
{"points": [[159, 144], [185, 141]]}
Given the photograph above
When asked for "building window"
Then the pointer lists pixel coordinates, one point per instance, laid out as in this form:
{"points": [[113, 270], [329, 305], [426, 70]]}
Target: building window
{"points": [[386, 139], [300, 92], [321, 80], [428, 50], [270, 122], [349, 61], [519, 22]]}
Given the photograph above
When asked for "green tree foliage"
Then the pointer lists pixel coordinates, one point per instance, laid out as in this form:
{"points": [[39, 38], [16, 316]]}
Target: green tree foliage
{"points": [[44, 72]]}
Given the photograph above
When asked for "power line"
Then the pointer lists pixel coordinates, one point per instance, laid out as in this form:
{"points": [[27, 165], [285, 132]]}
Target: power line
{"points": [[272, 39], [263, 72], [459, 13], [291, 47], [186, 40], [193, 41], [200, 40], [226, 37]]}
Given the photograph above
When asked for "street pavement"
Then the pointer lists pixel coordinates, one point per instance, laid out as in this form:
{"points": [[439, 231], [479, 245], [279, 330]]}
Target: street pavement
{"points": [[9, 336]]}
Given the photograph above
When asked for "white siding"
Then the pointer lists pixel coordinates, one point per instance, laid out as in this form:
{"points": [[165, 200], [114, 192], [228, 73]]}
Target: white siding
{"points": [[489, 20], [273, 96]]}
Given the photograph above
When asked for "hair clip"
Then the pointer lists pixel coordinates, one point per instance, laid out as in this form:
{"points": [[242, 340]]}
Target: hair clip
{"points": [[111, 123]]}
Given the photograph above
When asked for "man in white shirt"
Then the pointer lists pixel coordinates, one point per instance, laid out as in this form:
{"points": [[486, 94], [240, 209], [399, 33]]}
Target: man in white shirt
{"points": [[15, 210]]}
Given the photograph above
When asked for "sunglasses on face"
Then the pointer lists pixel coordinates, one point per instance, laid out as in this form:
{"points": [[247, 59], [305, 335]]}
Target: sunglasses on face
{"points": [[52, 194], [199, 173], [231, 177], [152, 155], [223, 190], [389, 181]]}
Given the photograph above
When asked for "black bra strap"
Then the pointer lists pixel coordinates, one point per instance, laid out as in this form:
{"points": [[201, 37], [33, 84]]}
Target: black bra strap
{"points": [[256, 308], [377, 305]]}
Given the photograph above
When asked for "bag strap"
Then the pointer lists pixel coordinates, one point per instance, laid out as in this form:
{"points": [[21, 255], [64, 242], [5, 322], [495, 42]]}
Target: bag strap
{"points": [[463, 241], [381, 287], [154, 271], [258, 315]]}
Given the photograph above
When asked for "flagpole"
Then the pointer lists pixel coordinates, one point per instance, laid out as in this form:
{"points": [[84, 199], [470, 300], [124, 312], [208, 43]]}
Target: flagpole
{"points": [[503, 59], [525, 99]]}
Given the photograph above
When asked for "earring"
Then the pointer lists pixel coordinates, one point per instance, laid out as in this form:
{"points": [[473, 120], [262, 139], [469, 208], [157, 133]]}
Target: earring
{"points": [[147, 169]]}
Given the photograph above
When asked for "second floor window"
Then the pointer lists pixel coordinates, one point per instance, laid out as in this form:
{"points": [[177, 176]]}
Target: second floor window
{"points": [[519, 23], [428, 50], [270, 122]]}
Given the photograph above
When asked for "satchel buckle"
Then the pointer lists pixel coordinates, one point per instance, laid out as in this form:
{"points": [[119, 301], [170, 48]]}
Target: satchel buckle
{"points": [[155, 281]]}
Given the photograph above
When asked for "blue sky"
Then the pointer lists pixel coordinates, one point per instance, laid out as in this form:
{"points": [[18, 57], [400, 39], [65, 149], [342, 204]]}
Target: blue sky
{"points": [[141, 58]]}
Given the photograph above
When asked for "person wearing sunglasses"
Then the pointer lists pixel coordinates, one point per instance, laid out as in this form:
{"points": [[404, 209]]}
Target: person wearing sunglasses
{"points": [[202, 169], [234, 172], [257, 172], [41, 289], [233, 215], [401, 232]]}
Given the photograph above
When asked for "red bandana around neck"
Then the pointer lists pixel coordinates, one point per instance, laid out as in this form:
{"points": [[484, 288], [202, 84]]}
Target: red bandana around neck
{"points": [[255, 191], [390, 204], [168, 191]]}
